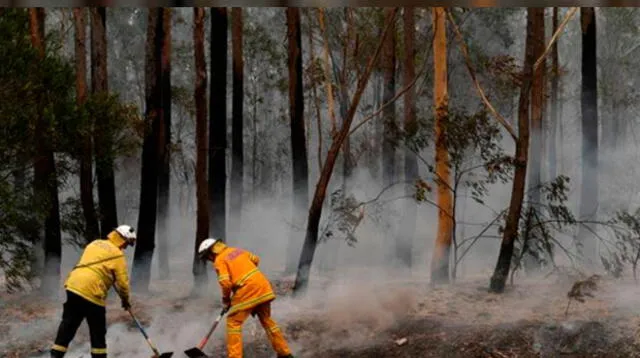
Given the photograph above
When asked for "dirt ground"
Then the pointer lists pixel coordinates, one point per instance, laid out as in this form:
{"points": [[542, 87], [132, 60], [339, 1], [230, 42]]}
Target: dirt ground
{"points": [[392, 319]]}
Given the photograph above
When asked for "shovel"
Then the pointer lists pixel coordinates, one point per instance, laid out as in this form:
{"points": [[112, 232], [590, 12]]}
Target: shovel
{"points": [[196, 352], [155, 350]]}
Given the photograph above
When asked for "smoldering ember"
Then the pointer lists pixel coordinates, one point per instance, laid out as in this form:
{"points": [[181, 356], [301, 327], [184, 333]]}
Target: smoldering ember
{"points": [[319, 182]]}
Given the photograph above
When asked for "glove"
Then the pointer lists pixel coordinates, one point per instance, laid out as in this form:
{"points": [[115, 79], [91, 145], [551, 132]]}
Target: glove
{"points": [[126, 305], [226, 303]]}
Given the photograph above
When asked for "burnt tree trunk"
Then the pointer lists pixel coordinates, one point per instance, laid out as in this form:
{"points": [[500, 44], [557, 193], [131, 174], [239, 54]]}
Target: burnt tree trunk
{"points": [[442, 247], [510, 233], [296, 120], [237, 147], [102, 135], [149, 173], [530, 260], [200, 97], [404, 243], [589, 106], [45, 175], [92, 228], [315, 211], [389, 112], [218, 123], [164, 146]]}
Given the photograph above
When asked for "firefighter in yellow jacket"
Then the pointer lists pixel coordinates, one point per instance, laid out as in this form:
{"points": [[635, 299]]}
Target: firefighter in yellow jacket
{"points": [[245, 291], [101, 265]]}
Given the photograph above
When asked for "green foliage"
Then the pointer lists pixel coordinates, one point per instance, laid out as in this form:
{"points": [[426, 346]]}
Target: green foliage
{"points": [[17, 220], [30, 85], [345, 215], [476, 157], [540, 223], [626, 230]]}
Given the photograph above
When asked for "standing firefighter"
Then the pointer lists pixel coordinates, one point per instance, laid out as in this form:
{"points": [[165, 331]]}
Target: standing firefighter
{"points": [[102, 265], [238, 274]]}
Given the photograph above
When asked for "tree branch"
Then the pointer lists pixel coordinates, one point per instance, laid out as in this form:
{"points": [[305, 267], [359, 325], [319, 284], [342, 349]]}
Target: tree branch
{"points": [[555, 36], [472, 73]]}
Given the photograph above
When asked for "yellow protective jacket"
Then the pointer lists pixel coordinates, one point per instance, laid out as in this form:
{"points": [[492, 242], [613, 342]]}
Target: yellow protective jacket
{"points": [[101, 265], [238, 274]]}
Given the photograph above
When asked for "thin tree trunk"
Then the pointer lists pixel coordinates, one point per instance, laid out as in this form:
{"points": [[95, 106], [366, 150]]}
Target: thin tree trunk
{"points": [[348, 161], [316, 101], [149, 173], [376, 129], [102, 136], [327, 72], [510, 233], [218, 122], [404, 245], [442, 247], [315, 211], [45, 175], [296, 120], [531, 263], [553, 121], [92, 228], [589, 106], [202, 226], [164, 147], [388, 113], [237, 164]]}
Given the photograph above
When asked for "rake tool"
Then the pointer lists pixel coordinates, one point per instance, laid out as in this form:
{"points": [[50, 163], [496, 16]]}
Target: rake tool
{"points": [[196, 352], [157, 354]]}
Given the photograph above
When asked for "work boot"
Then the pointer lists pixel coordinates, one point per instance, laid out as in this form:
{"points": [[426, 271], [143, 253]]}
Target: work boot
{"points": [[289, 356]]}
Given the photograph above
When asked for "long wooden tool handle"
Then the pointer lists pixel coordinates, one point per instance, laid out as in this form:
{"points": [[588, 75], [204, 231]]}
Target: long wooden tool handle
{"points": [[144, 333], [204, 340]]}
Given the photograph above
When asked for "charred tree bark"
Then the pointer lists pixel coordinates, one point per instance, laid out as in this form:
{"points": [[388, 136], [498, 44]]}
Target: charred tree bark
{"points": [[45, 175], [200, 97], [442, 247], [530, 260], [389, 112], [315, 211], [296, 120], [404, 245], [510, 234], [164, 146], [149, 173], [92, 228], [102, 134], [218, 123], [589, 107], [237, 146], [554, 118]]}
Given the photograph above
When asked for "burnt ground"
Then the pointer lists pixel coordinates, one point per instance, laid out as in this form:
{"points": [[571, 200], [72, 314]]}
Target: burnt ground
{"points": [[457, 321]]}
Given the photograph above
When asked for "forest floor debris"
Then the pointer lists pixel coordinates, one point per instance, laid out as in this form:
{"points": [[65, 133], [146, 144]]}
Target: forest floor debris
{"points": [[462, 320]]}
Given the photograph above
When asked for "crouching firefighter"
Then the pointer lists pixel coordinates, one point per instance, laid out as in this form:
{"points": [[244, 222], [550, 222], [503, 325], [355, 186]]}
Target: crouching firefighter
{"points": [[245, 291], [101, 265]]}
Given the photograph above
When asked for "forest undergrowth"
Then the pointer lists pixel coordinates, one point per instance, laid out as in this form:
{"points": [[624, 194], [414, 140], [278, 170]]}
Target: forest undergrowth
{"points": [[400, 318]]}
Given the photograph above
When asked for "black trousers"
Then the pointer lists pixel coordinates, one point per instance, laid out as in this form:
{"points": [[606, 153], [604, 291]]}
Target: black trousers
{"points": [[75, 310]]}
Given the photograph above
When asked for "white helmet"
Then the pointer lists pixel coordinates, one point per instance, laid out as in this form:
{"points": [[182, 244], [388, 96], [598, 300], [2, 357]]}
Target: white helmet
{"points": [[205, 246], [127, 233]]}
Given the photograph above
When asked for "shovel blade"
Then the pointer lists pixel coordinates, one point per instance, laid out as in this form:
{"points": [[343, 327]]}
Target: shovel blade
{"points": [[166, 355], [195, 353]]}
